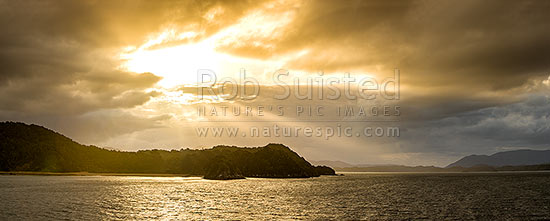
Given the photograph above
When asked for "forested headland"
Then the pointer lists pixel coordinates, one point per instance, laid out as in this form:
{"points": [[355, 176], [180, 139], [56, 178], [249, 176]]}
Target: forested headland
{"points": [[26, 147]]}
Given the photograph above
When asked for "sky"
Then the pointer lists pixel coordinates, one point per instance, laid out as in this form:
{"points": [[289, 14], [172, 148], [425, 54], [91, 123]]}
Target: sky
{"points": [[474, 76]]}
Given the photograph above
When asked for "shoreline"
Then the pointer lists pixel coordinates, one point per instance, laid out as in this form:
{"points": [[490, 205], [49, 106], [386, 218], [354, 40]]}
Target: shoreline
{"points": [[39, 173], [442, 172]]}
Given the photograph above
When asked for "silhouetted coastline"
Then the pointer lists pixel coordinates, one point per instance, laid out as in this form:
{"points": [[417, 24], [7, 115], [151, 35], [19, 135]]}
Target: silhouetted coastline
{"points": [[33, 148]]}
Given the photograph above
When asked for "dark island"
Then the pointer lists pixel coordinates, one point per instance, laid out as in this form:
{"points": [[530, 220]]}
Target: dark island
{"points": [[35, 148]]}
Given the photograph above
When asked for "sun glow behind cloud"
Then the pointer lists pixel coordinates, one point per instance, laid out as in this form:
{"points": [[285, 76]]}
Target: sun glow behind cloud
{"points": [[177, 64]]}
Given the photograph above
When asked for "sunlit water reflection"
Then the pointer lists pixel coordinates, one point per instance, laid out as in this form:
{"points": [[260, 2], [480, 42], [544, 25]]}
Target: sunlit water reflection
{"points": [[354, 196]]}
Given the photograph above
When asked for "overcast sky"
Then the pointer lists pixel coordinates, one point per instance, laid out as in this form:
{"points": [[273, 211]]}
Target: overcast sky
{"points": [[474, 75]]}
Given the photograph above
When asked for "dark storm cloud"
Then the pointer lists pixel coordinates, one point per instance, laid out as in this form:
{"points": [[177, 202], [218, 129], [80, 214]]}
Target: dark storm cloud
{"points": [[524, 124], [76, 94], [494, 44]]}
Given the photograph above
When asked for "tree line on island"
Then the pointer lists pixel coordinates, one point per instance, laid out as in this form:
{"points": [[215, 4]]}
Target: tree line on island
{"points": [[35, 148]]}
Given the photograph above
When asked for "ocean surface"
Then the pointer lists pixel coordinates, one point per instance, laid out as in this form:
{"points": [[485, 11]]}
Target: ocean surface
{"points": [[497, 196]]}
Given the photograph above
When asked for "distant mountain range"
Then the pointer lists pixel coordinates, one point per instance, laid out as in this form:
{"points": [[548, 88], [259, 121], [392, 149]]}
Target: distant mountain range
{"points": [[516, 160], [508, 158], [35, 148]]}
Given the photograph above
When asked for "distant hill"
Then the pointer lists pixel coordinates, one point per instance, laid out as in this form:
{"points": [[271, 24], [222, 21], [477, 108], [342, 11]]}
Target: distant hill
{"points": [[508, 158], [342, 164], [35, 148], [518, 160], [478, 168], [391, 168], [332, 163]]}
